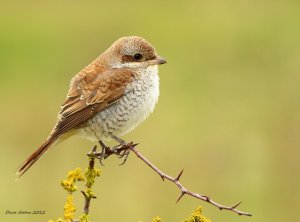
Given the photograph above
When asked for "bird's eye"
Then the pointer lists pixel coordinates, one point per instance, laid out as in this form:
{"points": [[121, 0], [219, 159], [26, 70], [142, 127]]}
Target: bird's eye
{"points": [[137, 56]]}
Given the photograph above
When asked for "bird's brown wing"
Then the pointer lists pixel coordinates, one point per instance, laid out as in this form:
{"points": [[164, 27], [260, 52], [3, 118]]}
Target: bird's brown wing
{"points": [[88, 95]]}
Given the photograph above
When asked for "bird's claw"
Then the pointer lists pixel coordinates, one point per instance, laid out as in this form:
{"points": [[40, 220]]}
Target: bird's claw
{"points": [[105, 152], [122, 151], [124, 155]]}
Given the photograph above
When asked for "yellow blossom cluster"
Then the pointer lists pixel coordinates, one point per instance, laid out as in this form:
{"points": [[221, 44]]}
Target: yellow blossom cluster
{"points": [[197, 216], [73, 176], [69, 208]]}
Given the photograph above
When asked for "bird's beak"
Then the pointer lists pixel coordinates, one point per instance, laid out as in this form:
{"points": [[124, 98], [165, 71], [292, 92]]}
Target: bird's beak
{"points": [[157, 61]]}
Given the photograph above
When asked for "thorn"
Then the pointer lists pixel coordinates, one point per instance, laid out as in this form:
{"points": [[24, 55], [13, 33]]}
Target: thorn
{"points": [[181, 195], [132, 145], [235, 206], [162, 177], [179, 175], [207, 198], [94, 149]]}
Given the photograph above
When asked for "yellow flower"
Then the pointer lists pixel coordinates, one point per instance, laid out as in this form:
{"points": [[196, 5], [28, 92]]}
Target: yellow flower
{"points": [[73, 176], [69, 208], [197, 216], [156, 219]]}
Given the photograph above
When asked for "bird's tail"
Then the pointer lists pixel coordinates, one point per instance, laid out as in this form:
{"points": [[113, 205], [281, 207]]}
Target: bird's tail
{"points": [[35, 156]]}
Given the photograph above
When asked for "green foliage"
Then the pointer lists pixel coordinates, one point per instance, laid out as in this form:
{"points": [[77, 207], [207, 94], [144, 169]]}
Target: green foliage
{"points": [[84, 218], [90, 176]]}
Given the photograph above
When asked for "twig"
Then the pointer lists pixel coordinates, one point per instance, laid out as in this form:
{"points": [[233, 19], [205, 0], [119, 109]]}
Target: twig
{"points": [[87, 194], [87, 202], [118, 151], [184, 191]]}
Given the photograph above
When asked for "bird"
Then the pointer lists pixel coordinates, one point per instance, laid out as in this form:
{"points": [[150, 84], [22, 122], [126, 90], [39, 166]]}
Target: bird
{"points": [[109, 97]]}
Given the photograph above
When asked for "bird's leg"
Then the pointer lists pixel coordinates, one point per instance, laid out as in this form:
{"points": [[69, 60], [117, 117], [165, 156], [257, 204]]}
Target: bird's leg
{"points": [[123, 149], [120, 141], [105, 152]]}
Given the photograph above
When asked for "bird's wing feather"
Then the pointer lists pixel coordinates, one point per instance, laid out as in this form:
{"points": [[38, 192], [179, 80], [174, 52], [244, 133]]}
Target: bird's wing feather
{"points": [[89, 95]]}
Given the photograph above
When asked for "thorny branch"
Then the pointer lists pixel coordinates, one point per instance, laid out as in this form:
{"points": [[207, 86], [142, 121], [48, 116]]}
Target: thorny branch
{"points": [[176, 181]]}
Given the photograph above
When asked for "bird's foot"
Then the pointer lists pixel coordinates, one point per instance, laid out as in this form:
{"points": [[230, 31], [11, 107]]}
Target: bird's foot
{"points": [[105, 152], [124, 151], [121, 150]]}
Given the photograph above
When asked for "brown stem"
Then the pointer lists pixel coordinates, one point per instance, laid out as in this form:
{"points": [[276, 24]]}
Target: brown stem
{"points": [[87, 198], [183, 190], [87, 201]]}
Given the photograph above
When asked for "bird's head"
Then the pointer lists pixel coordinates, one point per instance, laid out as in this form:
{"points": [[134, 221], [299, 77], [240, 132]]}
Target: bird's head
{"points": [[132, 52]]}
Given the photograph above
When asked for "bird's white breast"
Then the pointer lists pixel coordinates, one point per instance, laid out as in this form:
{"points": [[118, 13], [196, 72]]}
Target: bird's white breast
{"points": [[145, 95], [129, 111]]}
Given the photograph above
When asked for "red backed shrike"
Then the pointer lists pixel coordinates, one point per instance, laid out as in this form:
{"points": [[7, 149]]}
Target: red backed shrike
{"points": [[109, 97]]}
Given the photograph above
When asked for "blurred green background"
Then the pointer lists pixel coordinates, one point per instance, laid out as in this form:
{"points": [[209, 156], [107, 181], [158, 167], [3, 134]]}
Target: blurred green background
{"points": [[228, 111]]}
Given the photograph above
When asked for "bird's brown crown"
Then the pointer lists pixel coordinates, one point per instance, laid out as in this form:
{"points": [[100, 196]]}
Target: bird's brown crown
{"points": [[130, 49]]}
